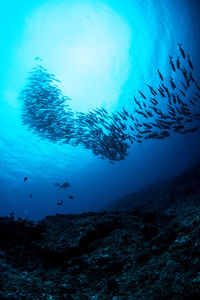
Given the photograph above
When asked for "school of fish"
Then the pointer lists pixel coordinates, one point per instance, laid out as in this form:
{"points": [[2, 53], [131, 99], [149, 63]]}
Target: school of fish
{"points": [[169, 107]]}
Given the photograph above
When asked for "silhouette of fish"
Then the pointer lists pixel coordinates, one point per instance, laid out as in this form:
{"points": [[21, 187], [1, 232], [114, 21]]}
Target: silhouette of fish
{"points": [[38, 58], [62, 186], [171, 63], [25, 178], [60, 202], [142, 94], [160, 75], [172, 83], [181, 92], [71, 197], [178, 62], [181, 50], [154, 93], [189, 62]]}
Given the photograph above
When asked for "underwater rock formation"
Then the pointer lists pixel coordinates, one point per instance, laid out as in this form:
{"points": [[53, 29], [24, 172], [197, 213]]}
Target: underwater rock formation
{"points": [[148, 251]]}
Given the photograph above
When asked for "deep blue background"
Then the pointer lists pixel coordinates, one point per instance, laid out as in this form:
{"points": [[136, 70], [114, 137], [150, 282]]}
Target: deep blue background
{"points": [[155, 28]]}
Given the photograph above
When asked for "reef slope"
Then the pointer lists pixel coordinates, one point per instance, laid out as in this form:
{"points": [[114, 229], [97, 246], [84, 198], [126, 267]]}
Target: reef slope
{"points": [[149, 251]]}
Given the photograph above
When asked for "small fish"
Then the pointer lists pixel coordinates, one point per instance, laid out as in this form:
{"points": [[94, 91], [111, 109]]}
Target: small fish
{"points": [[178, 62], [192, 102], [172, 83], [38, 58], [178, 99], [126, 113], [60, 202], [181, 92], [31, 195], [161, 93], [71, 197], [171, 63], [181, 50], [166, 89], [189, 62], [185, 87], [64, 185], [198, 95], [149, 113], [197, 86], [169, 101], [142, 94], [195, 99], [191, 77], [141, 113], [25, 178], [152, 90], [154, 101], [160, 75]]}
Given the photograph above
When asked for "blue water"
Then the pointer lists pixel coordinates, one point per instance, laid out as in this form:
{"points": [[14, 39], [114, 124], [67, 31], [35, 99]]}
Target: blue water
{"points": [[102, 52]]}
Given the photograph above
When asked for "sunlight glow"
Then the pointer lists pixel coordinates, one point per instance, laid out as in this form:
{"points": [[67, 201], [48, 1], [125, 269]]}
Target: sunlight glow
{"points": [[85, 45]]}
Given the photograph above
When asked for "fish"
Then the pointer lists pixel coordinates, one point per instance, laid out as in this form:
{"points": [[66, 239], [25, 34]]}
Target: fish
{"points": [[160, 87], [181, 50], [141, 113], [172, 83], [192, 102], [60, 202], [31, 195], [154, 101], [25, 178], [178, 110], [179, 127], [71, 197], [62, 186], [190, 63], [147, 125], [197, 86], [38, 58], [152, 90], [166, 89], [174, 98], [178, 62], [171, 63], [169, 101], [181, 92], [137, 102], [149, 113], [184, 86], [195, 99], [160, 75], [198, 95], [120, 115], [184, 72], [126, 113], [178, 99], [142, 94], [161, 93], [146, 131], [191, 77], [189, 130]]}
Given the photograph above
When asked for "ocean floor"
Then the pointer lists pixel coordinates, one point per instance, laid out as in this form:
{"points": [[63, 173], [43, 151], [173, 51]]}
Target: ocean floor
{"points": [[148, 249]]}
